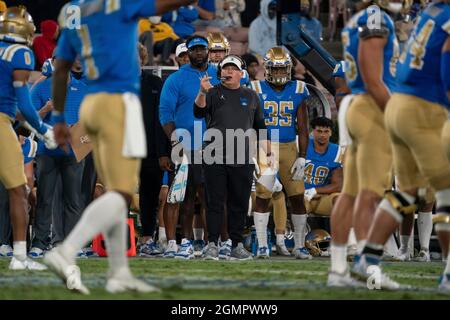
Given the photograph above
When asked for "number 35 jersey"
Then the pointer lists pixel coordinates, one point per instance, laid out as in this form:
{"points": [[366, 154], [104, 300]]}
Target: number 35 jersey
{"points": [[280, 108], [363, 25], [420, 67], [319, 166]]}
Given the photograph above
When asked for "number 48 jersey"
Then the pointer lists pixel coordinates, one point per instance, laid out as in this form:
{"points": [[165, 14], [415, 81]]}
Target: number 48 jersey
{"points": [[280, 108], [419, 67], [319, 166]]}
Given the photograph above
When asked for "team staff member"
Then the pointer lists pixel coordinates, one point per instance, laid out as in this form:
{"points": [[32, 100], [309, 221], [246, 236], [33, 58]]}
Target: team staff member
{"points": [[228, 106]]}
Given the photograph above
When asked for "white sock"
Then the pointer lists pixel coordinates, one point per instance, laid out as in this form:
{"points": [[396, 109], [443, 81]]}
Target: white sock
{"points": [[299, 222], [20, 249], [442, 198], [116, 246], [390, 247], [261, 219], [425, 227], [338, 258], [404, 242], [100, 216], [447, 265], [198, 233], [280, 239], [162, 234], [351, 238], [360, 246]]}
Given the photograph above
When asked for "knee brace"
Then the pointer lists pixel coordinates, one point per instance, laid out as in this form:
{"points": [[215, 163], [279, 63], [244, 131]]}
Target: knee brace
{"points": [[398, 204]]}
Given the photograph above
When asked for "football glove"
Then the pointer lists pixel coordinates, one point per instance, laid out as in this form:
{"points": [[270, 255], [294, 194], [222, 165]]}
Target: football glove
{"points": [[297, 169], [310, 193]]}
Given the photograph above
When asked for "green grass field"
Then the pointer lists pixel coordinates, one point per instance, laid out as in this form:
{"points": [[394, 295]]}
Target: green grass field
{"points": [[277, 278]]}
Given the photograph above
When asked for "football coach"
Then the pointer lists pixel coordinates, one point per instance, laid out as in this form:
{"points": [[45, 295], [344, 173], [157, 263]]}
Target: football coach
{"points": [[234, 120]]}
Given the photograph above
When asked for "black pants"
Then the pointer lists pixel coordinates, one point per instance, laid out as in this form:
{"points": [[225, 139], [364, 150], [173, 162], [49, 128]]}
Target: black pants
{"points": [[150, 185], [234, 184]]}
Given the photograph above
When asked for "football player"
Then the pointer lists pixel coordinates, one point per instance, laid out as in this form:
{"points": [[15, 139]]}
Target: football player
{"points": [[285, 110], [218, 47], [105, 39], [415, 116], [323, 170], [16, 63], [371, 53]]}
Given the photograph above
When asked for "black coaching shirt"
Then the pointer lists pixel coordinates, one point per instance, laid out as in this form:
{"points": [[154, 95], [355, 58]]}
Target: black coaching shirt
{"points": [[231, 109]]}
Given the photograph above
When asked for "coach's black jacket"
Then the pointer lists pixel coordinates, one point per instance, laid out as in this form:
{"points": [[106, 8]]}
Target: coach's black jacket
{"points": [[157, 143]]}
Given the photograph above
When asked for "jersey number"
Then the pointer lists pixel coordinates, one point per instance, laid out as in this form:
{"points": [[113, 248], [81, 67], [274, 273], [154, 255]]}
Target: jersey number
{"points": [[278, 114], [417, 47], [86, 52], [315, 176], [351, 71]]}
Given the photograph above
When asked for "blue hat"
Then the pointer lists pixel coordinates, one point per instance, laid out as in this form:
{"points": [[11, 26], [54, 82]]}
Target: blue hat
{"points": [[197, 41]]}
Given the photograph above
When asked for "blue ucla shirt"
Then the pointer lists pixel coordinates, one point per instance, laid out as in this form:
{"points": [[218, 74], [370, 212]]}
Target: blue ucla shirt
{"points": [[280, 108], [351, 36], [320, 166], [107, 41], [419, 67]]}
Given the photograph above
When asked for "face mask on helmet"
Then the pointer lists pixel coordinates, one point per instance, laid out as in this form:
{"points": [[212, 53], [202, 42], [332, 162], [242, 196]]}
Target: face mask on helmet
{"points": [[317, 242], [155, 19], [278, 75]]}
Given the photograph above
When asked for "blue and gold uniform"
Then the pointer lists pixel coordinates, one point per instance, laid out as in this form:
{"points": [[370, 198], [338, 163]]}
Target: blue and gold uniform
{"points": [[415, 115], [280, 113], [368, 160], [318, 172], [106, 42]]}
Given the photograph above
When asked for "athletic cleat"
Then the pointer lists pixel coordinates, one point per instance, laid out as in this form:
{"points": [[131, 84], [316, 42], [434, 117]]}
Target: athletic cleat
{"points": [[171, 250], [6, 250], [444, 283], [210, 252], [89, 253], [81, 254], [150, 249], [239, 253], [27, 264], [402, 255], [225, 250], [69, 273], [198, 245], [282, 250], [186, 250], [36, 252], [118, 285], [262, 253], [343, 280], [361, 271], [423, 256], [302, 253]]}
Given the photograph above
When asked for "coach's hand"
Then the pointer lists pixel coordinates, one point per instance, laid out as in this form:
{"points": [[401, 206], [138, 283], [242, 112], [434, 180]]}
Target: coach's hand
{"points": [[62, 135], [205, 84], [165, 164]]}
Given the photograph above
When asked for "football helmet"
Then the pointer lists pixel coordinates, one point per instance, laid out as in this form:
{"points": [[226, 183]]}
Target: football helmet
{"points": [[16, 25], [393, 7], [218, 42], [277, 59], [317, 241]]}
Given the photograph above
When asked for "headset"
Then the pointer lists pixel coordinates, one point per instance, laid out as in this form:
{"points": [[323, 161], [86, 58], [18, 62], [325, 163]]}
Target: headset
{"points": [[219, 66]]}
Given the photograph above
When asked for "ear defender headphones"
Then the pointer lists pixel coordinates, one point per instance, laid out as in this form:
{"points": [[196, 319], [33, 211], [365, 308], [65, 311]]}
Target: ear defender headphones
{"points": [[229, 59]]}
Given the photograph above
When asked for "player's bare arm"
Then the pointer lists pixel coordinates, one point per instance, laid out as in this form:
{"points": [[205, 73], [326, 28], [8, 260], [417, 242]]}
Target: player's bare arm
{"points": [[302, 129], [59, 91], [163, 6], [335, 185], [446, 51], [370, 60]]}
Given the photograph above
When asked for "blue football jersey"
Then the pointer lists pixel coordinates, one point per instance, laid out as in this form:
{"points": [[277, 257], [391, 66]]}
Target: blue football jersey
{"points": [[106, 41], [12, 57], [319, 167], [419, 67], [358, 27], [280, 108]]}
